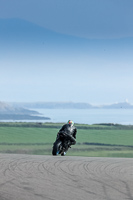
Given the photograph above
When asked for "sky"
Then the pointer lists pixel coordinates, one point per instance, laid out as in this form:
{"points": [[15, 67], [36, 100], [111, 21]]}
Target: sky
{"points": [[70, 50]]}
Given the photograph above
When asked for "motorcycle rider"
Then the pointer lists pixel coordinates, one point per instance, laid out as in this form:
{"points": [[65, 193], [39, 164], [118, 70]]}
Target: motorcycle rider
{"points": [[71, 131]]}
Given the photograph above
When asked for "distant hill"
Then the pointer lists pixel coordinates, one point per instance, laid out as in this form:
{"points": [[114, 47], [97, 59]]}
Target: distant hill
{"points": [[55, 105], [122, 105], [9, 109], [72, 105], [10, 112]]}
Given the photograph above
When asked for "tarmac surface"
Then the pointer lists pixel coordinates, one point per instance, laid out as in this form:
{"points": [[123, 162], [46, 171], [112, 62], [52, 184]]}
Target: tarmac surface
{"points": [[27, 177]]}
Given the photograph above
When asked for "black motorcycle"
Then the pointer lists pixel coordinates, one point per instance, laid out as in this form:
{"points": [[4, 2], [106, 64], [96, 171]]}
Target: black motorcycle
{"points": [[61, 145]]}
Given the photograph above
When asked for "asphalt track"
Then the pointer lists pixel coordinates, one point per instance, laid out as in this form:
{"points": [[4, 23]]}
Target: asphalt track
{"points": [[26, 177]]}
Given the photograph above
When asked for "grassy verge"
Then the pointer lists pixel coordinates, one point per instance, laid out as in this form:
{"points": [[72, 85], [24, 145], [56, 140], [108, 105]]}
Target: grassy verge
{"points": [[92, 140]]}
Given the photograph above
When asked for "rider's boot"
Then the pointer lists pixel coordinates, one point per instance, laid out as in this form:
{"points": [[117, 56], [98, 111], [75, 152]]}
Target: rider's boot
{"points": [[63, 154]]}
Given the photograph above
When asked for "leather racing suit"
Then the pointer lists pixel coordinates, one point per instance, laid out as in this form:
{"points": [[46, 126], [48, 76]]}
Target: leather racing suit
{"points": [[71, 131]]}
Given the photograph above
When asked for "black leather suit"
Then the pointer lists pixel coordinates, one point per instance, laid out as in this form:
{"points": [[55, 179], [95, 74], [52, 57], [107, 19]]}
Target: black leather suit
{"points": [[71, 131]]}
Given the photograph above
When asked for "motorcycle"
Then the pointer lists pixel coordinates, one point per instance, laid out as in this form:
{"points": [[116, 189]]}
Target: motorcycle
{"points": [[61, 145]]}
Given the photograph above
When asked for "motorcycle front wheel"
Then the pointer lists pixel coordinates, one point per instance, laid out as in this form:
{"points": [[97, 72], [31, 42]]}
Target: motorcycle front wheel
{"points": [[57, 148]]}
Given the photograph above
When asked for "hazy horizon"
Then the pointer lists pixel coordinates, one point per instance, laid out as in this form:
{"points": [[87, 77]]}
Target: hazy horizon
{"points": [[72, 51], [63, 102]]}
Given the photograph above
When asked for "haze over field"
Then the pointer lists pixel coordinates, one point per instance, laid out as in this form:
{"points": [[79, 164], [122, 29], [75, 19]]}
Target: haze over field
{"points": [[79, 51]]}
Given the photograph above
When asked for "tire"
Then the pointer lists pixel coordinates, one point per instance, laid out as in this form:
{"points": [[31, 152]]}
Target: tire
{"points": [[56, 148]]}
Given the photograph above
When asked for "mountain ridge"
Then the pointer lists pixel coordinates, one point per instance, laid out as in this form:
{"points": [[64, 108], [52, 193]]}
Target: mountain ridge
{"points": [[72, 105], [25, 111], [10, 112]]}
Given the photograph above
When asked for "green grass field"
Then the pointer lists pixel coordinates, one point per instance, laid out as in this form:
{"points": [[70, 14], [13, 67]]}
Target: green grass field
{"points": [[92, 140]]}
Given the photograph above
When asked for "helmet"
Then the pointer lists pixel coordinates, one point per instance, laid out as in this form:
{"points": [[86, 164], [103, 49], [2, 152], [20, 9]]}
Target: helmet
{"points": [[70, 122]]}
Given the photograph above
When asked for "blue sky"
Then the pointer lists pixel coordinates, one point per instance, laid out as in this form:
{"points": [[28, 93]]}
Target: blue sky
{"points": [[85, 18], [78, 50]]}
